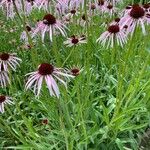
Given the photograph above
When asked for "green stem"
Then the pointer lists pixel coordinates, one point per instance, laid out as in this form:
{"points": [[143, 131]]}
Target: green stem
{"points": [[113, 56], [62, 126], [68, 56], [63, 109], [121, 75], [138, 80], [56, 52]]}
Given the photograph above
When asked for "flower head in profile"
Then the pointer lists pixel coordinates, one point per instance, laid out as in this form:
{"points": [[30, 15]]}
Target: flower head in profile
{"points": [[92, 7], [4, 78], [8, 60], [110, 9], [75, 40], [113, 34], [66, 19], [48, 73], [135, 16], [72, 13], [49, 24], [75, 70], [3, 101], [115, 21], [82, 21]]}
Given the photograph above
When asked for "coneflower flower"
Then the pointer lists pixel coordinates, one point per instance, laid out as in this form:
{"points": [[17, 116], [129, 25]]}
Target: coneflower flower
{"points": [[74, 40], [101, 5], [92, 8], [83, 20], [110, 9], [3, 101], [24, 36], [72, 13], [29, 6], [4, 78], [49, 24], [9, 60], [136, 16], [46, 72], [75, 70], [113, 33], [66, 20], [115, 21], [7, 5]]}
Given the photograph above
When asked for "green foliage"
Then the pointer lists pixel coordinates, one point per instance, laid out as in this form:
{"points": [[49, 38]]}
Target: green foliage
{"points": [[106, 107]]}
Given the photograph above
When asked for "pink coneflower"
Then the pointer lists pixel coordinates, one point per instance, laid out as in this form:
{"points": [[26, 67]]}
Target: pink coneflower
{"points": [[9, 60], [46, 72], [4, 79], [8, 7], [24, 36], [29, 6], [101, 5], [74, 40], [75, 70], [83, 20], [63, 6], [135, 17], [92, 8], [49, 24], [110, 9], [115, 21], [113, 33], [72, 13], [3, 101]]}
